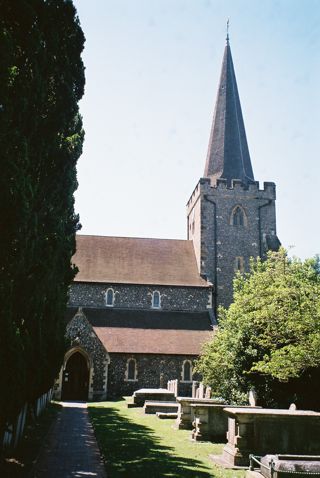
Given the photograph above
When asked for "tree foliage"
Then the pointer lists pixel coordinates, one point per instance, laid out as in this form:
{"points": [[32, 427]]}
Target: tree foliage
{"points": [[41, 136], [269, 338]]}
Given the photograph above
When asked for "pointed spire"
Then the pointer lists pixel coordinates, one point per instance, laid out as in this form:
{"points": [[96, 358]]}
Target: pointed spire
{"points": [[228, 154]]}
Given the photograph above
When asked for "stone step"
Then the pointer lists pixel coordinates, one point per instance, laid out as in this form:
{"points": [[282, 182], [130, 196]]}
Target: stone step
{"points": [[164, 415], [153, 407], [132, 405]]}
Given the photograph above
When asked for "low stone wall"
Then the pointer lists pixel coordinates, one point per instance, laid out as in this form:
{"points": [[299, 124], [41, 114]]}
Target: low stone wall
{"points": [[186, 411], [267, 431]]}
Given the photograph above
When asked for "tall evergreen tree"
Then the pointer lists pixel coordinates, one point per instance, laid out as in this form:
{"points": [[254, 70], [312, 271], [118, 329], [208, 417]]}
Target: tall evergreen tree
{"points": [[41, 136]]}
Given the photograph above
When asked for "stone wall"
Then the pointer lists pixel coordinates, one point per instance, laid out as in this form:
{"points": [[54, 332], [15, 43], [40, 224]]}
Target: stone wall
{"points": [[153, 371], [221, 242], [140, 296], [83, 339]]}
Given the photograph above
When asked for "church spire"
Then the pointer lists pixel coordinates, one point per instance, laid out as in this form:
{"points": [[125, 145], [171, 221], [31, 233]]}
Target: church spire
{"points": [[228, 154]]}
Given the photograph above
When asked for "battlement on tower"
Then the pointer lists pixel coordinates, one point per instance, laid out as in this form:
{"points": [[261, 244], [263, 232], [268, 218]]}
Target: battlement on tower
{"points": [[252, 189], [269, 188]]}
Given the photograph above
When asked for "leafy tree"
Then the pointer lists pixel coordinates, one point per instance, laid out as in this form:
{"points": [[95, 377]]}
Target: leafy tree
{"points": [[269, 338], [41, 136]]}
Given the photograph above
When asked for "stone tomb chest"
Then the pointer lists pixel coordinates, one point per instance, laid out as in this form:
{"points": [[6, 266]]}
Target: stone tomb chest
{"points": [[157, 394], [186, 410], [282, 466], [210, 421], [265, 431]]}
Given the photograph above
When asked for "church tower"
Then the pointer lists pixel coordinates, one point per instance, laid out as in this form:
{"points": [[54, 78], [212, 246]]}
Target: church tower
{"points": [[230, 219]]}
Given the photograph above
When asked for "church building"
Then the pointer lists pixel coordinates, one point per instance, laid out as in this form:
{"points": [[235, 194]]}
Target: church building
{"points": [[140, 309]]}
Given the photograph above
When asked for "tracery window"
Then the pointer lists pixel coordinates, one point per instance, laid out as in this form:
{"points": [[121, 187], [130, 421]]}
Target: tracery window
{"points": [[238, 217], [110, 298]]}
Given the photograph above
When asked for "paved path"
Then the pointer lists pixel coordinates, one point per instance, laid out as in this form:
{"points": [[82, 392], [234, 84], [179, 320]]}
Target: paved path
{"points": [[70, 449]]}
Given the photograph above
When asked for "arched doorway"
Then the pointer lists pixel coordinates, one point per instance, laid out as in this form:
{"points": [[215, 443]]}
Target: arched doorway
{"points": [[75, 380]]}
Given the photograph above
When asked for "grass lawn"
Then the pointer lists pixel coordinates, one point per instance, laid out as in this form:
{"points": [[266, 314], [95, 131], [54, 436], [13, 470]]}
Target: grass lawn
{"points": [[137, 445]]}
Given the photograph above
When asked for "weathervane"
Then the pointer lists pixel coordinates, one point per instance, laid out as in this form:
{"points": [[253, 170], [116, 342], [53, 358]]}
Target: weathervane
{"points": [[228, 31]]}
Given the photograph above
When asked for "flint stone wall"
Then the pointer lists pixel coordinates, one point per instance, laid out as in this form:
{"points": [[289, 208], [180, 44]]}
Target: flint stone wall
{"points": [[140, 296], [81, 336], [153, 371], [217, 242]]}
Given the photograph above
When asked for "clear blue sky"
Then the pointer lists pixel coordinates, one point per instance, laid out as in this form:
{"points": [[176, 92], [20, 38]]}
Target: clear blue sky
{"points": [[152, 70]]}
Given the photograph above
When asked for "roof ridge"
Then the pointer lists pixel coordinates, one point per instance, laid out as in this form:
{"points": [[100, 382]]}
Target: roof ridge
{"points": [[135, 238]]}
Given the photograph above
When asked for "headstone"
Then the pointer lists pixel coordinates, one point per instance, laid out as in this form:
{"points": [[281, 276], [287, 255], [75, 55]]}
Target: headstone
{"points": [[252, 398], [194, 389], [208, 392], [201, 390]]}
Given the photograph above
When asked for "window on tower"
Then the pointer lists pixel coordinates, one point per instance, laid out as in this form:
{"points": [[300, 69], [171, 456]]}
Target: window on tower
{"points": [[192, 221], [239, 264], [238, 217]]}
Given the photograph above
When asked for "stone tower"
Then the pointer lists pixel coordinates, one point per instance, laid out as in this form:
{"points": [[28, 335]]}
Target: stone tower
{"points": [[230, 219]]}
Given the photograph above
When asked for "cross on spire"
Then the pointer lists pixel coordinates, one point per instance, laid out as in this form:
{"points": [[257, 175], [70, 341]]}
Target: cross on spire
{"points": [[227, 38]]}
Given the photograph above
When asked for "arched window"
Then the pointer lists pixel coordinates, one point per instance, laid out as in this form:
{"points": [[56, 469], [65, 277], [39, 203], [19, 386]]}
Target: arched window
{"points": [[238, 217], [156, 300], [110, 298], [131, 370], [187, 371]]}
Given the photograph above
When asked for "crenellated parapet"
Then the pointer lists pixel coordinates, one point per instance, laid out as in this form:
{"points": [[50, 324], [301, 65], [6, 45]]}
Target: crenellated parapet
{"points": [[237, 186]]}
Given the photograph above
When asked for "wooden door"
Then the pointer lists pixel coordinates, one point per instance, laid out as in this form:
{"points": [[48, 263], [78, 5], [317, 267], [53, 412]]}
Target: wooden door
{"points": [[75, 380]]}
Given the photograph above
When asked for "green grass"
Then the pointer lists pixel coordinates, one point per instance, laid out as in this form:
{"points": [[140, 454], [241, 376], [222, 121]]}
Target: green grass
{"points": [[137, 445]]}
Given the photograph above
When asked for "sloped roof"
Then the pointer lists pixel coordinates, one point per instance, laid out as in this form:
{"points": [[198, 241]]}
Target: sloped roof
{"points": [[148, 331], [152, 341], [143, 319], [136, 261]]}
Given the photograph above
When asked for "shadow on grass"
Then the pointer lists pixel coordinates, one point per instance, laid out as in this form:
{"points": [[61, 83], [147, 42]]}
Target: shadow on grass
{"points": [[133, 450]]}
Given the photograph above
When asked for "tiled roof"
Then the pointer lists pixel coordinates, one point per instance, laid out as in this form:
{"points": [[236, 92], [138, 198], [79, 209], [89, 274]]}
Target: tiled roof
{"points": [[152, 341], [148, 331], [136, 261]]}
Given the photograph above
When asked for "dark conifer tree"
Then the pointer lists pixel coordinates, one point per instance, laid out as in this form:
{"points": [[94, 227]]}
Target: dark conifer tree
{"points": [[41, 136]]}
